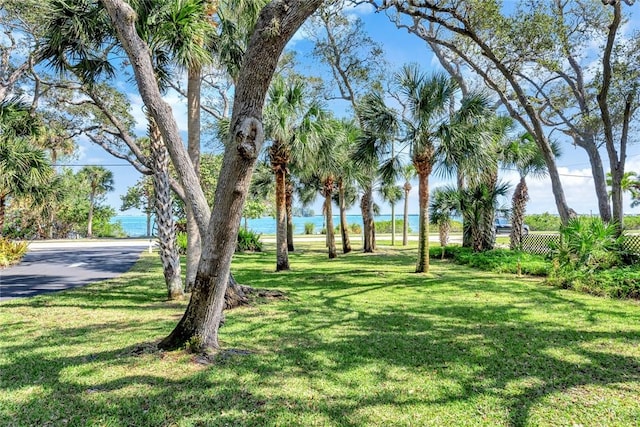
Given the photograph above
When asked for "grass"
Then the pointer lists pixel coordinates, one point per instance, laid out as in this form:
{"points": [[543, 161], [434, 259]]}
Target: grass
{"points": [[360, 340]]}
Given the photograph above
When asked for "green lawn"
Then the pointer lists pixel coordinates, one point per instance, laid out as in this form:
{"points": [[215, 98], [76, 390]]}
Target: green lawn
{"points": [[360, 340]]}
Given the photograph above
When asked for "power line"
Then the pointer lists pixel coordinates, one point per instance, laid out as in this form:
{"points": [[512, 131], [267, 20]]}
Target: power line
{"points": [[94, 164]]}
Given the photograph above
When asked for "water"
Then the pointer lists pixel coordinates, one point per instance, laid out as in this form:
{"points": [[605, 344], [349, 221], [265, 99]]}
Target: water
{"points": [[136, 226]]}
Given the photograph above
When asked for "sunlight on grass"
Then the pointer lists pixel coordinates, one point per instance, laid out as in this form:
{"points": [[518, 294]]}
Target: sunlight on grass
{"points": [[359, 340]]}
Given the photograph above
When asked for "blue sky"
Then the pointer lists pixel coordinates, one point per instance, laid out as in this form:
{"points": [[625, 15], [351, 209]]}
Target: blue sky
{"points": [[400, 47]]}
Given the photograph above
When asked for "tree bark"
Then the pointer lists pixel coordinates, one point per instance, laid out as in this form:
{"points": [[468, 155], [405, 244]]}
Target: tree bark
{"points": [[289, 210], [422, 265], [194, 249], [194, 244], [344, 227], [90, 218], [369, 229], [282, 255], [405, 223], [328, 210], [599, 180], [518, 208], [393, 224], [164, 214]]}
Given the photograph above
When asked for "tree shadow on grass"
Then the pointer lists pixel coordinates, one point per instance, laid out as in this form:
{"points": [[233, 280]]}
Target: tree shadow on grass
{"points": [[470, 336]]}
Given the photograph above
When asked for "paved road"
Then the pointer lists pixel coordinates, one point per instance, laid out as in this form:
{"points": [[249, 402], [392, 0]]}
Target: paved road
{"points": [[54, 266]]}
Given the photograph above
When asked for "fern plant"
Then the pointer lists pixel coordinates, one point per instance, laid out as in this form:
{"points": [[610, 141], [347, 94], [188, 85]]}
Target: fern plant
{"points": [[588, 244]]}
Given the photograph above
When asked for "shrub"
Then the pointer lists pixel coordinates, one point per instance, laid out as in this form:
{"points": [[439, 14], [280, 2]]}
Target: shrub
{"points": [[354, 228], [102, 227], [497, 260], [543, 222], [181, 241], [385, 226], [631, 222], [456, 227], [248, 240], [622, 282], [588, 244], [11, 252], [309, 227], [590, 258]]}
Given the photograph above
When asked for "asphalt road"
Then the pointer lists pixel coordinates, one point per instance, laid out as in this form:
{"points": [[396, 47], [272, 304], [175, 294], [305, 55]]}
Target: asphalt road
{"points": [[54, 266]]}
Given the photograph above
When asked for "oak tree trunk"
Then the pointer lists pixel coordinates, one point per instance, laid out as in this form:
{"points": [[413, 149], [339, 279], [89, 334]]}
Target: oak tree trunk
{"points": [[277, 23]]}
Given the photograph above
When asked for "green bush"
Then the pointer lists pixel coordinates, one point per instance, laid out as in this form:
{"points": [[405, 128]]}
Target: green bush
{"points": [[543, 222], [353, 228], [385, 226], [590, 258], [181, 242], [456, 227], [622, 282], [102, 227], [588, 244], [309, 227], [631, 222], [497, 260], [11, 252], [248, 240]]}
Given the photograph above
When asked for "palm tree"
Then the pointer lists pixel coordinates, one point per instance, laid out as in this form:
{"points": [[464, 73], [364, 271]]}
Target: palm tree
{"points": [[346, 137], [628, 183], [408, 172], [23, 168], [524, 155], [475, 201], [100, 181], [445, 202], [379, 127], [287, 118], [469, 147], [427, 100], [391, 193]]}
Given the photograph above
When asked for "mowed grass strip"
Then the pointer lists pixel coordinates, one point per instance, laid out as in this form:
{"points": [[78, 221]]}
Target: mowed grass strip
{"points": [[359, 340]]}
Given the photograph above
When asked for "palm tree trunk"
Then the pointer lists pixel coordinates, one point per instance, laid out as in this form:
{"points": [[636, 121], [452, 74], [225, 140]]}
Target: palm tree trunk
{"points": [[331, 234], [405, 222], [344, 227], [393, 224], [489, 213], [443, 231], [366, 207], [164, 214], [194, 243], [282, 256], [422, 266], [289, 205], [518, 208]]}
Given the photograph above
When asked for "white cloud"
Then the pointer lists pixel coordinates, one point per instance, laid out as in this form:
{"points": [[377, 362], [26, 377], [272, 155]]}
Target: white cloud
{"points": [[177, 102]]}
